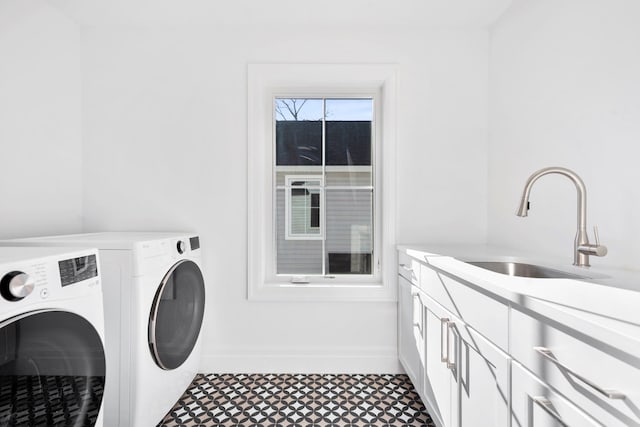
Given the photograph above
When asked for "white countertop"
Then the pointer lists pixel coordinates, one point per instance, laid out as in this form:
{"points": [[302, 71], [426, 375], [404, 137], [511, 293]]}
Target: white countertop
{"points": [[608, 303]]}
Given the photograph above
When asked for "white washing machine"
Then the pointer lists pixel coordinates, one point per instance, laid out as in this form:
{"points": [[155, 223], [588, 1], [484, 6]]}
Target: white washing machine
{"points": [[52, 357], [154, 297]]}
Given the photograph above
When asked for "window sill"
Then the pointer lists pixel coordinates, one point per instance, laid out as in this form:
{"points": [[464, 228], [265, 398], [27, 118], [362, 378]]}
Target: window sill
{"points": [[317, 292]]}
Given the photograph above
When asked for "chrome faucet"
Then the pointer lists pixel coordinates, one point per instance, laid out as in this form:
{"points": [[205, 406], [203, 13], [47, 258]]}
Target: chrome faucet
{"points": [[581, 247]]}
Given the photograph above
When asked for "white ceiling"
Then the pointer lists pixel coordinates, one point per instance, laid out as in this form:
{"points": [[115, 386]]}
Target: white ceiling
{"points": [[284, 12]]}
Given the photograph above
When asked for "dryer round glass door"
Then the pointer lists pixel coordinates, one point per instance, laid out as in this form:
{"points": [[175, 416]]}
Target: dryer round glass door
{"points": [[176, 315], [52, 370]]}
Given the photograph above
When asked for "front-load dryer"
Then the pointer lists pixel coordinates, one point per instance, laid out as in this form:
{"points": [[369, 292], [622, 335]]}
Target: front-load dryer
{"points": [[154, 305], [52, 358]]}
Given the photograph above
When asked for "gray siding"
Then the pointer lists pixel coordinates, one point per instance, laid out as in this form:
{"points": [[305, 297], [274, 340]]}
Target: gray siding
{"points": [[349, 225]]}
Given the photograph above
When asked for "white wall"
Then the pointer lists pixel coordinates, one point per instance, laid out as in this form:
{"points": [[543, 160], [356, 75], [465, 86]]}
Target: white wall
{"points": [[163, 116], [40, 120], [165, 130], [565, 90]]}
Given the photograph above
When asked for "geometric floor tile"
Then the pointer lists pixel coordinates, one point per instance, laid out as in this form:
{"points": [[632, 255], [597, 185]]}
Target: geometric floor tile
{"points": [[300, 400], [50, 400]]}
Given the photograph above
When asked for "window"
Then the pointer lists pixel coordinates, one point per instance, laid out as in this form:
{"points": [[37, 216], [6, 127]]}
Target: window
{"points": [[324, 189], [302, 207], [321, 216]]}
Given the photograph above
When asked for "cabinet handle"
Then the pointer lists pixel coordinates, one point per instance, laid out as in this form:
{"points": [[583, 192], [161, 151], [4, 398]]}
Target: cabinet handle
{"points": [[610, 394], [443, 326], [421, 321], [404, 266], [450, 364], [547, 406]]}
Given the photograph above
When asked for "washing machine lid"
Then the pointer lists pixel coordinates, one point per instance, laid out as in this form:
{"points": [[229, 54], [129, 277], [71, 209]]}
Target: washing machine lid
{"points": [[176, 315], [52, 369]]}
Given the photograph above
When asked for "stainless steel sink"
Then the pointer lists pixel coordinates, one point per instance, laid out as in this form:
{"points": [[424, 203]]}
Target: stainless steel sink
{"points": [[524, 270]]}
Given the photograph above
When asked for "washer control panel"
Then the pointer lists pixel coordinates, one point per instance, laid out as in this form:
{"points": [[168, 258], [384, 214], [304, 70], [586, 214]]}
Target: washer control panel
{"points": [[33, 279], [77, 269]]}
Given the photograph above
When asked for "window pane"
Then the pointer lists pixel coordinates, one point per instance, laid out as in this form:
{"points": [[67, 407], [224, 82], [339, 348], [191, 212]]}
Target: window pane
{"points": [[348, 139], [348, 143], [295, 256], [324, 226], [315, 210], [349, 225], [303, 207], [298, 131], [304, 217], [348, 110]]}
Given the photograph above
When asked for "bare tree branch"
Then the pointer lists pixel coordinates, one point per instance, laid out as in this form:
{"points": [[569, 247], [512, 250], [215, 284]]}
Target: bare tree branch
{"points": [[279, 111], [291, 106]]}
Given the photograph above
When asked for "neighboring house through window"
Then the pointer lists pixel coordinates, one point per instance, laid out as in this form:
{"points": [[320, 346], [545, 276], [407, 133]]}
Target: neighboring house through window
{"points": [[324, 185]]}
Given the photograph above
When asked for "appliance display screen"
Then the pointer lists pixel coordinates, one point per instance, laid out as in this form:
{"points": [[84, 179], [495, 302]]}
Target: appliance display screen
{"points": [[76, 270], [194, 242]]}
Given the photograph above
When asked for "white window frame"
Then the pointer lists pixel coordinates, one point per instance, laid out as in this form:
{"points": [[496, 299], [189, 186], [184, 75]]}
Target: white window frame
{"points": [[269, 81], [287, 210]]}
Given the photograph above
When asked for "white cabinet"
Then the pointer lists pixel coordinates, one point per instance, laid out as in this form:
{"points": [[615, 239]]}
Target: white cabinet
{"points": [[480, 359], [461, 377], [467, 378], [483, 382], [440, 379], [587, 373], [484, 314], [534, 404], [410, 334], [409, 268]]}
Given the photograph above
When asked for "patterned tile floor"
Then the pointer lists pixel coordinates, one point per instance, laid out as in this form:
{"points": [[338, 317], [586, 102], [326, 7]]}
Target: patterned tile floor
{"points": [[299, 400], [49, 400]]}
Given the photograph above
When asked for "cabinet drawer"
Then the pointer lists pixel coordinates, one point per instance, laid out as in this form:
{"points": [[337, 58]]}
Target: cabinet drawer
{"points": [[603, 385], [409, 268], [485, 315], [534, 404]]}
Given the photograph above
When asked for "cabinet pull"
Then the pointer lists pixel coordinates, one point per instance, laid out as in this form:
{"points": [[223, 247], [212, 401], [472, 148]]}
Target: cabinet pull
{"points": [[444, 326], [404, 266], [420, 322], [450, 364], [547, 406], [610, 394]]}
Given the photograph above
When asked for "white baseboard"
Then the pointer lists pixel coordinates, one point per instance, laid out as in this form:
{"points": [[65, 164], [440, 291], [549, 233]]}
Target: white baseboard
{"points": [[379, 362]]}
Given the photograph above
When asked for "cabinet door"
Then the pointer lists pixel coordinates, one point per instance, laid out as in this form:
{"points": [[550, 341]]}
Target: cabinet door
{"points": [[439, 376], [418, 338], [408, 322], [467, 378], [534, 404], [595, 377], [483, 384]]}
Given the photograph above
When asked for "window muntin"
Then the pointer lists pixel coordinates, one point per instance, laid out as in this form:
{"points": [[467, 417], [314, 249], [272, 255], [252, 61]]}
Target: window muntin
{"points": [[323, 174]]}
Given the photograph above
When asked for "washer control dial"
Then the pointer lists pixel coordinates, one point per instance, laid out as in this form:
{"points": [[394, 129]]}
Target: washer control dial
{"points": [[181, 246], [16, 285]]}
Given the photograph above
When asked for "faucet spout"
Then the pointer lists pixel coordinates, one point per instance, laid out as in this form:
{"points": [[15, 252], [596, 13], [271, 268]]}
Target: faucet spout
{"points": [[582, 247], [523, 209]]}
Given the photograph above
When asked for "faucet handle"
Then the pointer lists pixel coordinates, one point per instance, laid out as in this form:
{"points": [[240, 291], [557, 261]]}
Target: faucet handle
{"points": [[593, 249]]}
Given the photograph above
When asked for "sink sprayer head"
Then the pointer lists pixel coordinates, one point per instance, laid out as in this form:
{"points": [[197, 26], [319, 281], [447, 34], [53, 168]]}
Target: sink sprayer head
{"points": [[524, 208]]}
